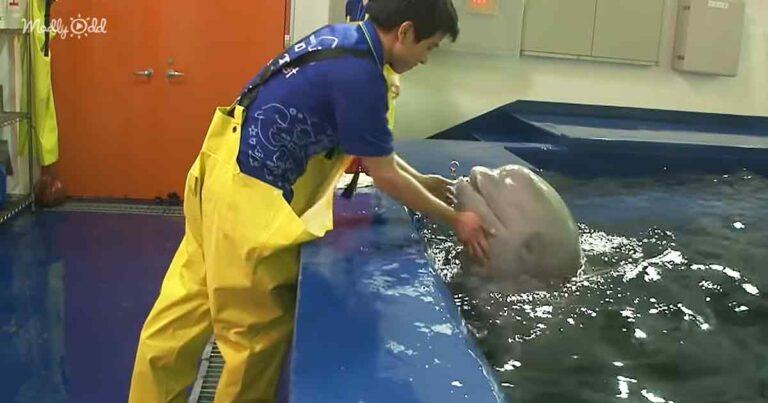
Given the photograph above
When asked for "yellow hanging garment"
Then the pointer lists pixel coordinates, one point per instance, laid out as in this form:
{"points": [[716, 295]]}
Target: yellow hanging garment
{"points": [[46, 130]]}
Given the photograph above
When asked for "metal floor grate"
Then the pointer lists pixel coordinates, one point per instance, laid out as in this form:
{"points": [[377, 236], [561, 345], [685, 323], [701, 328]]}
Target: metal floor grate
{"points": [[211, 366], [120, 208], [14, 206]]}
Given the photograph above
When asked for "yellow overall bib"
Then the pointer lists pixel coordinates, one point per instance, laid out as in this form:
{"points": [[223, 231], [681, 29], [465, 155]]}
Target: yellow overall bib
{"points": [[234, 274]]}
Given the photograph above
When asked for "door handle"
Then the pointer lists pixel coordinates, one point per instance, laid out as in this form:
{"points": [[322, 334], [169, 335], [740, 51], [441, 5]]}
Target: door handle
{"points": [[148, 73], [171, 74]]}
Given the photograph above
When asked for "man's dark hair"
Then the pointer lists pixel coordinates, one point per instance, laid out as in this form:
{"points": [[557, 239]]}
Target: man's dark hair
{"points": [[428, 16]]}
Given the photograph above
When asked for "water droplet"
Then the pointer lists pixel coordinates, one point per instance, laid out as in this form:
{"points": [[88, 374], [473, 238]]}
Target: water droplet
{"points": [[750, 289]]}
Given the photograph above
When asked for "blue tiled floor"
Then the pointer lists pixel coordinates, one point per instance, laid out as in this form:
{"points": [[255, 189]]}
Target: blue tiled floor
{"points": [[74, 291]]}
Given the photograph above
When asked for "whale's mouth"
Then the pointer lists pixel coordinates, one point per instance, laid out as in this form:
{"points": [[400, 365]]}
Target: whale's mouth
{"points": [[494, 222], [473, 182]]}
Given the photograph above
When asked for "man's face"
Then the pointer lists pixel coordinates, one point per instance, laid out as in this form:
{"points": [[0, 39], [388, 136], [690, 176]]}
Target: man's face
{"points": [[407, 52]]}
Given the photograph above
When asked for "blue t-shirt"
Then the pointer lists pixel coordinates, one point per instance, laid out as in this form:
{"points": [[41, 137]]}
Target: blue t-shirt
{"points": [[321, 106]]}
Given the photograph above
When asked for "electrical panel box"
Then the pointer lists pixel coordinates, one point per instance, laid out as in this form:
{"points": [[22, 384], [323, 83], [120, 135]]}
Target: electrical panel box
{"points": [[628, 29], [709, 36], [625, 31], [563, 27], [488, 27]]}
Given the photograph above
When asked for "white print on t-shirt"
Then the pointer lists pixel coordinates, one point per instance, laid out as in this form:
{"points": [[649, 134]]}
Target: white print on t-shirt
{"points": [[312, 44], [288, 138]]}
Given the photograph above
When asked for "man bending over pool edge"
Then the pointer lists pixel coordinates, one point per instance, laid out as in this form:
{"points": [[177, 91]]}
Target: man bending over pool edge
{"points": [[263, 184]]}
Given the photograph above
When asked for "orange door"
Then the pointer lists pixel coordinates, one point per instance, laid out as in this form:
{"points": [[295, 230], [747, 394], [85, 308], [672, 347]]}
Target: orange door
{"points": [[106, 111], [126, 135], [217, 47]]}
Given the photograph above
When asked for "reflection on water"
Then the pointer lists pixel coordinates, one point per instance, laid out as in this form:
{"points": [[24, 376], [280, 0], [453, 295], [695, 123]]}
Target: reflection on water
{"points": [[671, 304]]}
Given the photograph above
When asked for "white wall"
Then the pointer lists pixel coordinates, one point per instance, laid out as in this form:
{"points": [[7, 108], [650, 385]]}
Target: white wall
{"points": [[307, 16], [456, 87], [337, 11]]}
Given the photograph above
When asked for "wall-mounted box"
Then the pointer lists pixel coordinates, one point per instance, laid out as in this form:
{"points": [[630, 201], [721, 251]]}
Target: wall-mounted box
{"points": [[488, 26], [559, 26], [626, 31], [709, 36]]}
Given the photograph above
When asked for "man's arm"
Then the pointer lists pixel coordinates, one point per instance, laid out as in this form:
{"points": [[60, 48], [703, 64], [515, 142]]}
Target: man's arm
{"points": [[399, 184], [411, 171], [438, 186]]}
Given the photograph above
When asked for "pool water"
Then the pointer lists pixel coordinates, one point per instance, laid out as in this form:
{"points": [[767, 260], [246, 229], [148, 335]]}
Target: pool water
{"points": [[671, 305]]}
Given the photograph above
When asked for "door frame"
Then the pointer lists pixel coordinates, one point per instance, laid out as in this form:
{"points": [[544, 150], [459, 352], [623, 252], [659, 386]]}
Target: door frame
{"points": [[307, 16]]}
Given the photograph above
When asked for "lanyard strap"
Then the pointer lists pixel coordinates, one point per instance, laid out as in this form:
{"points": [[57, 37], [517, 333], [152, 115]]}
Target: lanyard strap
{"points": [[250, 94], [370, 45], [253, 91]]}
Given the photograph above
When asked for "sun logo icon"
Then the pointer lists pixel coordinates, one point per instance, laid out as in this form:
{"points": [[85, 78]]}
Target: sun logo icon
{"points": [[78, 26]]}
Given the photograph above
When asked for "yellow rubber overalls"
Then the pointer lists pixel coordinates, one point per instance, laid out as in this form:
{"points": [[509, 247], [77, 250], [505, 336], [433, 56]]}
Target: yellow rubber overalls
{"points": [[393, 91], [234, 274], [46, 131]]}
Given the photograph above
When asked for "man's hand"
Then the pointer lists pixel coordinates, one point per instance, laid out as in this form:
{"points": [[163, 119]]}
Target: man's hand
{"points": [[442, 188], [436, 185], [399, 181], [471, 232], [403, 184]]}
